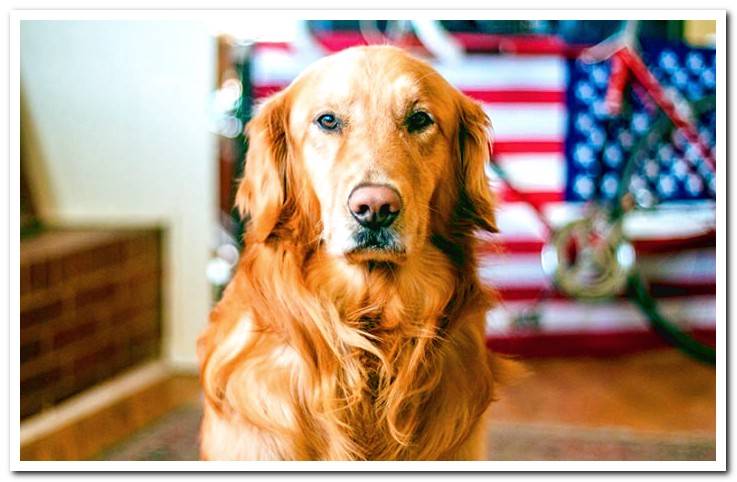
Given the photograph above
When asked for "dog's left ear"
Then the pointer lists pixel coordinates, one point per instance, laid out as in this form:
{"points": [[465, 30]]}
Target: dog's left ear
{"points": [[476, 198], [262, 193]]}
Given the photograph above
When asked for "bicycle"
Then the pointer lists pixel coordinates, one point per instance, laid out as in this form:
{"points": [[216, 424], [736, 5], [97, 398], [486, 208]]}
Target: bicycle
{"points": [[591, 258]]}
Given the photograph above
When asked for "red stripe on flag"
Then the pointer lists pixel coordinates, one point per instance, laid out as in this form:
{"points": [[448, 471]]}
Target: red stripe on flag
{"points": [[283, 46], [663, 245], [471, 42], [658, 289], [706, 240], [527, 147], [265, 90], [533, 197], [514, 96], [586, 344], [335, 41]]}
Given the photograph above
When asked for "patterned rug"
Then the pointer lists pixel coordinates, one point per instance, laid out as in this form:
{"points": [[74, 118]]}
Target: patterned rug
{"points": [[174, 437]]}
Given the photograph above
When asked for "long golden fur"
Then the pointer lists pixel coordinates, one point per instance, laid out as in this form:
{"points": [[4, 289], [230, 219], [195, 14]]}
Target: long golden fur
{"points": [[318, 351]]}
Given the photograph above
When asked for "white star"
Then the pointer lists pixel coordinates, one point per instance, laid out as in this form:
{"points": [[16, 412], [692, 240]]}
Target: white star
{"points": [[583, 155], [668, 61], [652, 168], [694, 185], [637, 183], [584, 91], [680, 79], [625, 138], [640, 122], [609, 184], [708, 78], [665, 152], [666, 185], [695, 62], [583, 186], [584, 122], [600, 76], [613, 155], [600, 109], [596, 137], [680, 168]]}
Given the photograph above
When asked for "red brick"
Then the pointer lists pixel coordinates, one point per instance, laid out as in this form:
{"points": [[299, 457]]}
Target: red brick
{"points": [[85, 377], [65, 389], [40, 381], [39, 276], [30, 405], [111, 320], [73, 265], [25, 279], [144, 321], [31, 334], [42, 314], [95, 357], [79, 331], [120, 317], [41, 363], [54, 272], [91, 260], [97, 294], [30, 350], [104, 256]]}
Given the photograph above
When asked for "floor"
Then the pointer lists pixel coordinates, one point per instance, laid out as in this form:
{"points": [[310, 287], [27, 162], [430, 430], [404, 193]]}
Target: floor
{"points": [[660, 394], [84, 439], [661, 390]]}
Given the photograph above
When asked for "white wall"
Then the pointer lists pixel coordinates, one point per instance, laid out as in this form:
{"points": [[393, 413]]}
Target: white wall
{"points": [[115, 132]]}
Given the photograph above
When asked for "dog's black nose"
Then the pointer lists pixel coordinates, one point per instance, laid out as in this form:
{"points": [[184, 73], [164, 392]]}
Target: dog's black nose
{"points": [[374, 206]]}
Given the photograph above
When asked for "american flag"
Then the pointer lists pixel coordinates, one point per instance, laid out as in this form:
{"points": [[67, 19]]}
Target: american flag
{"points": [[559, 148]]}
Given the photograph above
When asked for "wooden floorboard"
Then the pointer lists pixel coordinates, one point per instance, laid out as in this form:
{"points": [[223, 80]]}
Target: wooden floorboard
{"points": [[661, 390]]}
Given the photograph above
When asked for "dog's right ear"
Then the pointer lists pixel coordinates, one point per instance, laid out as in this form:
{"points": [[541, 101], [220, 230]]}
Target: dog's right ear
{"points": [[477, 199], [262, 191]]}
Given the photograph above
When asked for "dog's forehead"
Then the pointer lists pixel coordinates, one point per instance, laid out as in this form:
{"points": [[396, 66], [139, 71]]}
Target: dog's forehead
{"points": [[383, 73]]}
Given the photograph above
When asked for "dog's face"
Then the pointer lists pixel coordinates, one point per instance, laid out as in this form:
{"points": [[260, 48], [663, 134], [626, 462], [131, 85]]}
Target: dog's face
{"points": [[380, 145]]}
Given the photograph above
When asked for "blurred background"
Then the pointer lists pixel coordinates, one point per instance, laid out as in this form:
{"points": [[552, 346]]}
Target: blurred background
{"points": [[132, 144]]}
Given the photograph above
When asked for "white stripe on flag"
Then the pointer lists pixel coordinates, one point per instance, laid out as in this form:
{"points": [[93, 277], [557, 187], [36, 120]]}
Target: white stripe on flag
{"points": [[535, 122], [696, 265], [517, 220], [683, 221], [277, 67], [564, 316], [535, 172], [482, 72], [524, 270]]}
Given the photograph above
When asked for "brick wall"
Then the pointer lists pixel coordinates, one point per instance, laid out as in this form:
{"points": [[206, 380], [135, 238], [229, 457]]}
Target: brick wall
{"points": [[90, 303]]}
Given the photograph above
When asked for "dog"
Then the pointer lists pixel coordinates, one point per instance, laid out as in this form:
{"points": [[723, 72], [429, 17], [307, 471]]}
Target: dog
{"points": [[353, 327]]}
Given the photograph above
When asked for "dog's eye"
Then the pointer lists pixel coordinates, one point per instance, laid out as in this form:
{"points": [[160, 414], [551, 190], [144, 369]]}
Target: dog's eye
{"points": [[418, 121], [328, 122]]}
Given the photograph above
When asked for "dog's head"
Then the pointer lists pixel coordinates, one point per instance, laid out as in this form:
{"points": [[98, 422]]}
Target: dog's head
{"points": [[369, 152]]}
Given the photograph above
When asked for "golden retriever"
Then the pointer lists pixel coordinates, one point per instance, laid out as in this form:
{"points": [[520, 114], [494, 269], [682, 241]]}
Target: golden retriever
{"points": [[353, 328]]}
